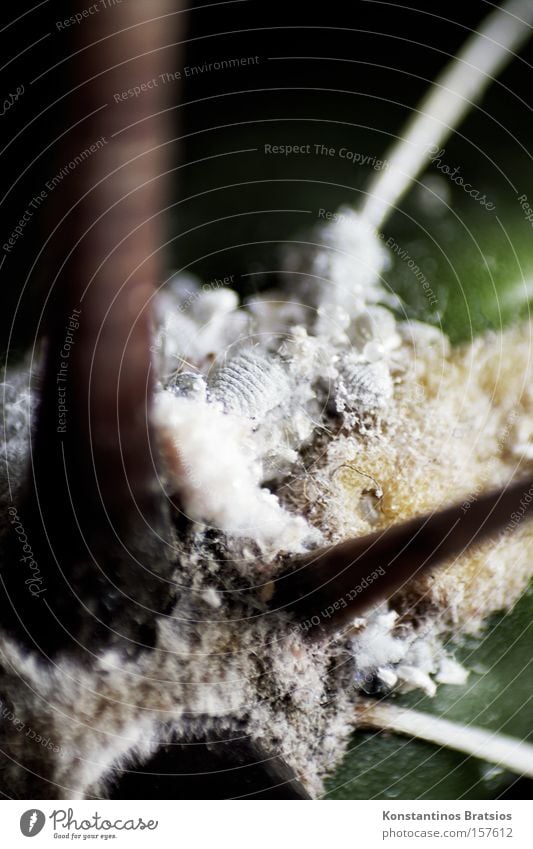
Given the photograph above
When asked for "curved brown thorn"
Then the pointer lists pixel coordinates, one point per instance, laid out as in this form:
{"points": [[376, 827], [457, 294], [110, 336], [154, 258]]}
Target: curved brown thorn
{"points": [[96, 516], [329, 588]]}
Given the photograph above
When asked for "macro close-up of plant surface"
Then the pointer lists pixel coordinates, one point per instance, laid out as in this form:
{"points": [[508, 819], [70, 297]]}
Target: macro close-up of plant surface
{"points": [[267, 403]]}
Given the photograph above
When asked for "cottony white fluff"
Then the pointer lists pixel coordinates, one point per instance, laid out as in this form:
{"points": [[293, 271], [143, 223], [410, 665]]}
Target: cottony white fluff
{"points": [[282, 424], [217, 471], [265, 377]]}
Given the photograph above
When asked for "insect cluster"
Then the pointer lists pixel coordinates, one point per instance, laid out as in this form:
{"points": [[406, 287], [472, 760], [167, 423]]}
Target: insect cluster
{"points": [[309, 415]]}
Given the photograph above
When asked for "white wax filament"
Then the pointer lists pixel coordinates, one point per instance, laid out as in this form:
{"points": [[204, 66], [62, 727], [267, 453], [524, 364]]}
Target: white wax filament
{"points": [[454, 92]]}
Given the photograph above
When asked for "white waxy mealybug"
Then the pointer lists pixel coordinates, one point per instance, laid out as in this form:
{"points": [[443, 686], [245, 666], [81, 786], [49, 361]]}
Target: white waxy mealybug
{"points": [[250, 384]]}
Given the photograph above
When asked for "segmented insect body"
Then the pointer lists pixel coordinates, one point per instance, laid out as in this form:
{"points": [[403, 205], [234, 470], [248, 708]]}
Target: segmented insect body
{"points": [[188, 384], [363, 388], [250, 384]]}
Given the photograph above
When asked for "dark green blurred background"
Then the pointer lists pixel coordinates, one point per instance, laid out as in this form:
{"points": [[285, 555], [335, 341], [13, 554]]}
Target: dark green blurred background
{"points": [[339, 75], [360, 70]]}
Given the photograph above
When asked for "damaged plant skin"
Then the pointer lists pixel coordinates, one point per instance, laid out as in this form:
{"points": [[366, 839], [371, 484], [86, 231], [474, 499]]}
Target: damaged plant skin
{"points": [[152, 631]]}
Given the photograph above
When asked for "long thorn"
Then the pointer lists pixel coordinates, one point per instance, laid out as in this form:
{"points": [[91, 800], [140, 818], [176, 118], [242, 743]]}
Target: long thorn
{"points": [[454, 92], [96, 516], [329, 588], [507, 752]]}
